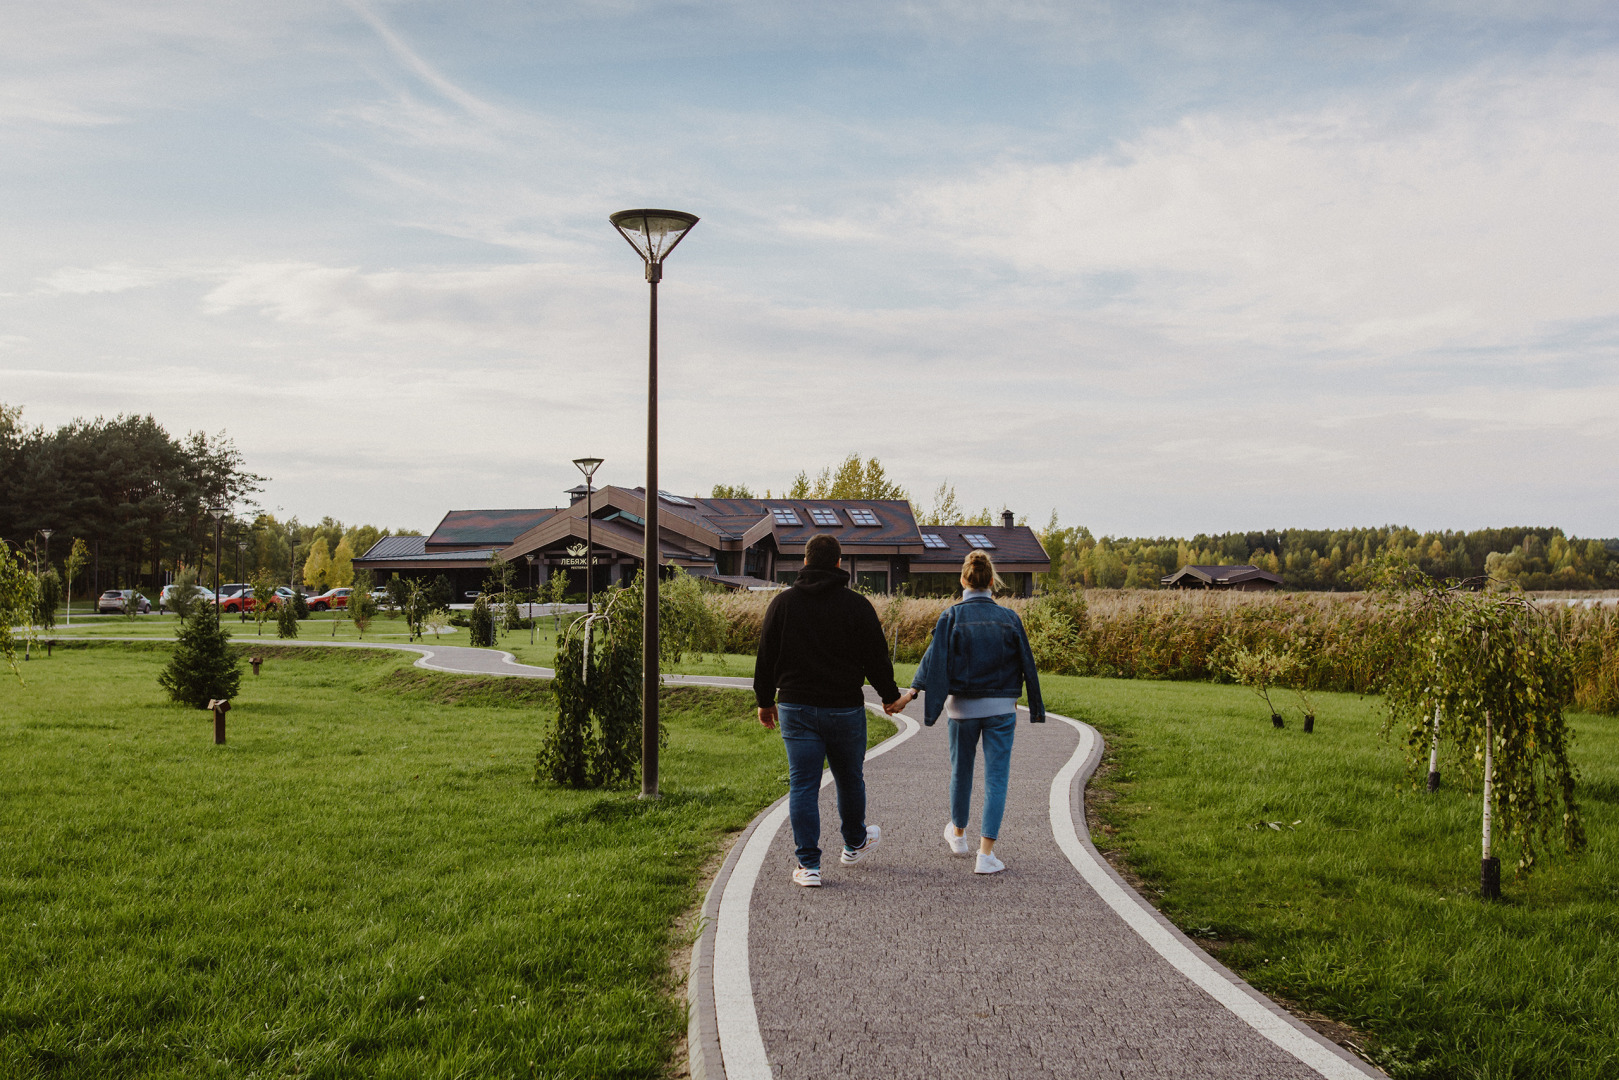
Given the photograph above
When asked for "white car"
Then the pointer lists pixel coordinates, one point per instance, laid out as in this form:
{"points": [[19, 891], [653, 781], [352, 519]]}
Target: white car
{"points": [[117, 601], [204, 595]]}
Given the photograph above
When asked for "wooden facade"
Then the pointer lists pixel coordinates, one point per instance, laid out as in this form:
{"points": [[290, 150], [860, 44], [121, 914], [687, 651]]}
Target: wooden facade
{"points": [[740, 543]]}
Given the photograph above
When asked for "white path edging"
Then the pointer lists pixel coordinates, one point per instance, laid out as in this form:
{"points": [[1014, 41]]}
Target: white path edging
{"points": [[742, 1046], [1189, 960]]}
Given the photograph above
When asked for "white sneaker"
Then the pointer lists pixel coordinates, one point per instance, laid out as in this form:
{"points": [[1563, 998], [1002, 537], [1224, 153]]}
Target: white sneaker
{"points": [[852, 855], [807, 877], [958, 844], [988, 864]]}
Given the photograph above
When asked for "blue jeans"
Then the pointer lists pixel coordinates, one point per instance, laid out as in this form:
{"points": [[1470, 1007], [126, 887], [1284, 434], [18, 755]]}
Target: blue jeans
{"points": [[997, 732], [814, 734]]}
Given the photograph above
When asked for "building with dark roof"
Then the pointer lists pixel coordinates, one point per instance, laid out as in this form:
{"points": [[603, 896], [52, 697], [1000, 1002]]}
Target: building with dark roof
{"points": [[1238, 578], [741, 543]]}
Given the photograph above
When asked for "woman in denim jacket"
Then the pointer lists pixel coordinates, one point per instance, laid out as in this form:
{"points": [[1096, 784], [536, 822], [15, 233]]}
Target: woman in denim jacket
{"points": [[974, 671]]}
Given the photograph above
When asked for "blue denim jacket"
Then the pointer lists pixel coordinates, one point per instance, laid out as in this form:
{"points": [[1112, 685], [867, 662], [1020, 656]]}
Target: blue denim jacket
{"points": [[979, 649]]}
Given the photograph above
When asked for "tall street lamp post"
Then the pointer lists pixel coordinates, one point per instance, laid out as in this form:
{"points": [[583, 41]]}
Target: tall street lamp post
{"points": [[653, 234], [588, 466], [219, 513], [46, 533]]}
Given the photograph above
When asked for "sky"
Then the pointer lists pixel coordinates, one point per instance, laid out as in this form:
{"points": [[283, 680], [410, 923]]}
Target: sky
{"points": [[1159, 269]]}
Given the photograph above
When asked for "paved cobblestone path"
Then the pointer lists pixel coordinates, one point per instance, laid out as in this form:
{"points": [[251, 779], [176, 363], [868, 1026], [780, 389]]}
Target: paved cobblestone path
{"points": [[910, 965]]}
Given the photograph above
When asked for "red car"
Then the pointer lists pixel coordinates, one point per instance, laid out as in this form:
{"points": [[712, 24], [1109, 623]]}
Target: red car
{"points": [[243, 601], [331, 598]]}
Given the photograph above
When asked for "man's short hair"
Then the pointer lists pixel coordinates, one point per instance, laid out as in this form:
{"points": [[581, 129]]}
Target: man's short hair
{"points": [[823, 550]]}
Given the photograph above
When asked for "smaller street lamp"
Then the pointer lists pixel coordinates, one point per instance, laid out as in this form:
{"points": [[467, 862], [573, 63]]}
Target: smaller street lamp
{"points": [[588, 466], [219, 513], [533, 590]]}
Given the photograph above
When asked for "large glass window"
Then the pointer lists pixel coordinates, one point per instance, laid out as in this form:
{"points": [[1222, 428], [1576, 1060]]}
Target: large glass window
{"points": [[978, 540], [872, 580], [863, 517], [785, 515], [824, 515]]}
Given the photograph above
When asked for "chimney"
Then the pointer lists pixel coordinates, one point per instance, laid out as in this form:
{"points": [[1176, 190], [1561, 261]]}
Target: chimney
{"points": [[1006, 519]]}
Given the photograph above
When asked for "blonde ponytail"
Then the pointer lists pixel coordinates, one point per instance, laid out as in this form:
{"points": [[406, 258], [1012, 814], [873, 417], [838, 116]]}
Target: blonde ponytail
{"points": [[978, 572]]}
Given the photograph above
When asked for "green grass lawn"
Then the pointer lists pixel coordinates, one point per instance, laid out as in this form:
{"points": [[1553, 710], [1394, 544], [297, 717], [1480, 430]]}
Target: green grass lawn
{"points": [[365, 881], [1367, 909]]}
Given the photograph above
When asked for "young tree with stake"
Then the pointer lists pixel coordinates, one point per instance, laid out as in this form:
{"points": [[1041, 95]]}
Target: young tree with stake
{"points": [[1484, 672]]}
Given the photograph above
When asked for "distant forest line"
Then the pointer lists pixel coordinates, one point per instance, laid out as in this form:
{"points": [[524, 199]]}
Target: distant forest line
{"points": [[1531, 557], [138, 497]]}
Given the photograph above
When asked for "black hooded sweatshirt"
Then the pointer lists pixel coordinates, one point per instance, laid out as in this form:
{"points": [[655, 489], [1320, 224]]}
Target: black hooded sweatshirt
{"points": [[820, 642]]}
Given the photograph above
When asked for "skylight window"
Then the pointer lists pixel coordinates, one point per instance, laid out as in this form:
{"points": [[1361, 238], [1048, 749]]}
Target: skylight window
{"points": [[676, 499], [934, 540], [863, 517], [823, 515], [784, 515], [978, 540]]}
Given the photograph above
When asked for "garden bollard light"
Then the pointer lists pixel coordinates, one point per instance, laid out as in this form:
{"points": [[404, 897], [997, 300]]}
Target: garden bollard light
{"points": [[49, 642], [256, 661], [221, 706], [1309, 723]]}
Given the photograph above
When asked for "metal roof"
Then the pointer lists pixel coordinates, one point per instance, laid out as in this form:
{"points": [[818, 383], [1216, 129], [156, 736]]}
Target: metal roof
{"points": [[397, 547], [1016, 546], [733, 517], [474, 527], [1222, 575]]}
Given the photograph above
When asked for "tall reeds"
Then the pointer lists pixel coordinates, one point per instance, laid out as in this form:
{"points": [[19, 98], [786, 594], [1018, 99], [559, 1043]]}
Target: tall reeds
{"points": [[1337, 639]]}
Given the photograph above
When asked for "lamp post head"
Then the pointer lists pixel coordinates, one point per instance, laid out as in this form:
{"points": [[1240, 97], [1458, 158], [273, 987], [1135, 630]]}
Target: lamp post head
{"points": [[218, 511], [653, 234], [588, 465], [46, 533]]}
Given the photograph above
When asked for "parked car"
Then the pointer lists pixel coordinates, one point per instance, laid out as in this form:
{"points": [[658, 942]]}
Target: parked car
{"points": [[243, 601], [117, 601], [231, 588], [240, 600], [204, 595], [331, 598]]}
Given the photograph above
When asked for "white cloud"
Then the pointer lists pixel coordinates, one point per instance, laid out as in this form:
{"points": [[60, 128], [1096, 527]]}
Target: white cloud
{"points": [[1478, 212]]}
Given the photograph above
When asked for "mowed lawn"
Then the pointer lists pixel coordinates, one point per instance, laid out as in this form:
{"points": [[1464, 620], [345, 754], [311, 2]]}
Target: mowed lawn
{"points": [[1362, 902], [365, 881]]}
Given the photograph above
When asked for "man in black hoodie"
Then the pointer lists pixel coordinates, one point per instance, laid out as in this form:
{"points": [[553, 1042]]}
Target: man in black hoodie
{"points": [[819, 644]]}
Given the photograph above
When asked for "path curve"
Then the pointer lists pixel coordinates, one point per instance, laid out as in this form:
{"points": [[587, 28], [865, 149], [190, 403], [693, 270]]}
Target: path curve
{"points": [[909, 965]]}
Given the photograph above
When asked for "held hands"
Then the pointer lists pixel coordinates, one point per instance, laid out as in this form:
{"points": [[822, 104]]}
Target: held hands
{"points": [[900, 702], [767, 717]]}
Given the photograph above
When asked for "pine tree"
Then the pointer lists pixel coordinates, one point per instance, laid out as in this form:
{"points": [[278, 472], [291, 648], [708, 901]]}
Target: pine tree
{"points": [[202, 667]]}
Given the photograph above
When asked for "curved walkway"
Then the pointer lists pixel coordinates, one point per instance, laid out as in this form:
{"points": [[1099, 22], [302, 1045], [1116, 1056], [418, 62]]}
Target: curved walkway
{"points": [[909, 965]]}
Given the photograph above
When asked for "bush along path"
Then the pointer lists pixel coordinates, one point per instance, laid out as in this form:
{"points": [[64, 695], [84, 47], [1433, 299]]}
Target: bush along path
{"points": [[909, 965]]}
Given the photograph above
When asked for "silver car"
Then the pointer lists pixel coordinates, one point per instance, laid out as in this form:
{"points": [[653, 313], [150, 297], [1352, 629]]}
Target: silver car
{"points": [[117, 601]]}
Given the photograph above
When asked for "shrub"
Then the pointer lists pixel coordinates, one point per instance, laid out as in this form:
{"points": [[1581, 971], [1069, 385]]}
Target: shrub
{"points": [[202, 666], [184, 594], [596, 739], [47, 595], [362, 606], [481, 624], [286, 619]]}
